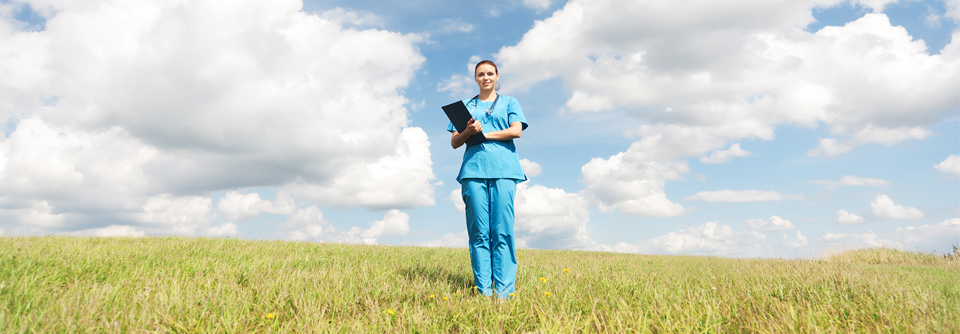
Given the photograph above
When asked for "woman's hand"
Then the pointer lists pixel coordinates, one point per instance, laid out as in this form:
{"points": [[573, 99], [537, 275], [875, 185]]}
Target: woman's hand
{"points": [[473, 127]]}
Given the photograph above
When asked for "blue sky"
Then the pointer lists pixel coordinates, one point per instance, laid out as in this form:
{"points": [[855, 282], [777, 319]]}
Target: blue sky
{"points": [[750, 128]]}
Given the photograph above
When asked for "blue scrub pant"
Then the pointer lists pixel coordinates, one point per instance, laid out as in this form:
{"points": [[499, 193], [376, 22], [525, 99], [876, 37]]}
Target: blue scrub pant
{"points": [[489, 206]]}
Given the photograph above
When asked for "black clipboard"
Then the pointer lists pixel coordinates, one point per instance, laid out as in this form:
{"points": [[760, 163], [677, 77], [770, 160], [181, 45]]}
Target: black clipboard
{"points": [[459, 115]]}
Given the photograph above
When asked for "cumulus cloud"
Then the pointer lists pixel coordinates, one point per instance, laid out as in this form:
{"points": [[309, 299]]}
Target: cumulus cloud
{"points": [[456, 26], [306, 224], [453, 240], [883, 207], [546, 218], [944, 234], [242, 207], [707, 239], [457, 198], [775, 223], [530, 168], [949, 166], [741, 196], [394, 223], [853, 180], [118, 103], [223, 230], [549, 218], [635, 188], [869, 134], [457, 85], [177, 215], [843, 241], [710, 75], [41, 214], [797, 241], [110, 231], [721, 156], [844, 217], [345, 16], [537, 4]]}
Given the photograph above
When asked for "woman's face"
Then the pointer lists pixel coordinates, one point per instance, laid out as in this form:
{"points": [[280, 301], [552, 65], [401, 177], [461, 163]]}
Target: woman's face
{"points": [[486, 76]]}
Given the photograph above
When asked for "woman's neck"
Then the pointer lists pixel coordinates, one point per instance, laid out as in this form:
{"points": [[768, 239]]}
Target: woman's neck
{"points": [[487, 96]]}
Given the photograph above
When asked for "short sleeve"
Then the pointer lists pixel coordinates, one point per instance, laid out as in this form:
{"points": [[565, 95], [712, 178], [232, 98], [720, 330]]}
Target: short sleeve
{"points": [[515, 114], [451, 128]]}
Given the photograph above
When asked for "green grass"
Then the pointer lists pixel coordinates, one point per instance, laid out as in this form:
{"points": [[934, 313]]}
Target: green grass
{"points": [[184, 285]]}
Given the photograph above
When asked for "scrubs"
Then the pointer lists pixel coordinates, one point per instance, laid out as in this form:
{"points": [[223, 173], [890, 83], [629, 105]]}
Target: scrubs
{"points": [[488, 183]]}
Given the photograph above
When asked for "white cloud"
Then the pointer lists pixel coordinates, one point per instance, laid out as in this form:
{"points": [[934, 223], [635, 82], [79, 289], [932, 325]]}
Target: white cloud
{"points": [[457, 198], [830, 147], [242, 207], [456, 26], [530, 168], [453, 240], [707, 239], [306, 224], [545, 218], [635, 188], [741, 196], [798, 241], [869, 134], [843, 241], [457, 85], [883, 207], [121, 102], [224, 230], [41, 214], [548, 218], [399, 180], [394, 223], [726, 75], [344, 16], [944, 234], [775, 223], [950, 165], [844, 217], [110, 231], [177, 215], [953, 9], [853, 180], [539, 5], [721, 156]]}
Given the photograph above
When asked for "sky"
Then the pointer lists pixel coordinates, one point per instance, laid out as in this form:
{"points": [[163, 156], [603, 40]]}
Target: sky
{"points": [[747, 128]]}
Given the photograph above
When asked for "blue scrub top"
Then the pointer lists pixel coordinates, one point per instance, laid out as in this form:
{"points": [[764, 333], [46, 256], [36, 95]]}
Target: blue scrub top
{"points": [[494, 159]]}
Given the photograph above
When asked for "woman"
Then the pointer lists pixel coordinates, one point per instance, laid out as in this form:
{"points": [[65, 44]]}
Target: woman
{"points": [[488, 182]]}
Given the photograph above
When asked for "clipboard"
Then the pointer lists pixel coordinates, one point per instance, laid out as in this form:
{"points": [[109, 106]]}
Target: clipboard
{"points": [[459, 116]]}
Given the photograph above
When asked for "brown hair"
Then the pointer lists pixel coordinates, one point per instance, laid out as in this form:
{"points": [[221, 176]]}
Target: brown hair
{"points": [[495, 70], [485, 62]]}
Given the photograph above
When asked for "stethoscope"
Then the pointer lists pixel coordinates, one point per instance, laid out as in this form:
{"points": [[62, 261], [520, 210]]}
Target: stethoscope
{"points": [[489, 111]]}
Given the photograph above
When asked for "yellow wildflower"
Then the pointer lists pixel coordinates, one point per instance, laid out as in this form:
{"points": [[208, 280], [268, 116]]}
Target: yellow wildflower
{"points": [[433, 296], [389, 311], [444, 297], [547, 294], [565, 270], [269, 315], [512, 295], [543, 279]]}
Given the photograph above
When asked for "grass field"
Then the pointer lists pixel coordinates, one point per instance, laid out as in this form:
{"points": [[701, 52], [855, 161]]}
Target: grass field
{"points": [[185, 285]]}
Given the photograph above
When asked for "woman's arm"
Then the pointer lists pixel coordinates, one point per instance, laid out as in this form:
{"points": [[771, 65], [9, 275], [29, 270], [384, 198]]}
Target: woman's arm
{"points": [[513, 132], [458, 139]]}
